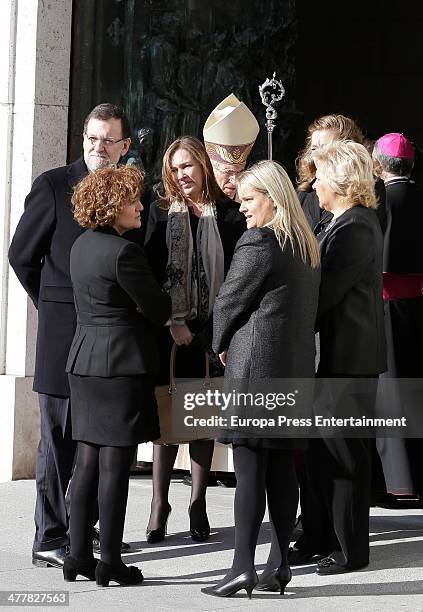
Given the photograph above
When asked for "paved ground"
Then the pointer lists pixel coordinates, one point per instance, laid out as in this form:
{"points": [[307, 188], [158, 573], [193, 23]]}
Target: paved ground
{"points": [[176, 569]]}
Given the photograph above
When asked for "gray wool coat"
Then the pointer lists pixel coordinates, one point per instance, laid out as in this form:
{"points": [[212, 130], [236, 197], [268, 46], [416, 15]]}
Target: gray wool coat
{"points": [[264, 316], [265, 312]]}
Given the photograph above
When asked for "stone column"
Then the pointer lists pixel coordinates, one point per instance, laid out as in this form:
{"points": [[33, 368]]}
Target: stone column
{"points": [[35, 46]]}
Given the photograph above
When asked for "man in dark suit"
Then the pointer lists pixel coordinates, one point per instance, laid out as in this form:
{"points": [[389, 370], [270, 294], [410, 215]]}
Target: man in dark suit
{"points": [[39, 254]]}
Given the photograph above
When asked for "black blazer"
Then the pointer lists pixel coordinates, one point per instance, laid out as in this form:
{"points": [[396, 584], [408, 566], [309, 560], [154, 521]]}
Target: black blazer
{"points": [[350, 311], [116, 300]]}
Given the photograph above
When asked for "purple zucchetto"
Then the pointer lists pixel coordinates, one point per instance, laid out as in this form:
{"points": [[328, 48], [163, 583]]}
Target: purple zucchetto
{"points": [[396, 145]]}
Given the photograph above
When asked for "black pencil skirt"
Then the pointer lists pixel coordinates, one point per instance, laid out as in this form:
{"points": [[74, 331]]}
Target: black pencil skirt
{"points": [[115, 411]]}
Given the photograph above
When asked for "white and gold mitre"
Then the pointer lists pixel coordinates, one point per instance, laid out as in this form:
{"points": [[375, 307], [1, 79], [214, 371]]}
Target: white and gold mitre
{"points": [[230, 132]]}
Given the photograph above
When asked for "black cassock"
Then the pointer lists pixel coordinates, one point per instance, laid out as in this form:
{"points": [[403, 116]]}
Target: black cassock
{"points": [[403, 255]]}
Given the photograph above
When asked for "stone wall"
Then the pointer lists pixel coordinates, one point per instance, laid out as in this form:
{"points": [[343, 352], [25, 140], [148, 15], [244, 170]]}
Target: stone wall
{"points": [[35, 38]]}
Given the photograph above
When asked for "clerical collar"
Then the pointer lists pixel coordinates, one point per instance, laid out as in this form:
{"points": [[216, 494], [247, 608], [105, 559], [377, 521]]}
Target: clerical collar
{"points": [[398, 179]]}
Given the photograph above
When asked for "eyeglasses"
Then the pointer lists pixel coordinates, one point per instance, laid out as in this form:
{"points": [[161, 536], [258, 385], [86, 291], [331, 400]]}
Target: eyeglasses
{"points": [[107, 142], [230, 175]]}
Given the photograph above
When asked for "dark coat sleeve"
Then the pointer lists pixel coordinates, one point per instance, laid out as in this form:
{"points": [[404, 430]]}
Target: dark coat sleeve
{"points": [[135, 277], [232, 225], [310, 205], [32, 237], [348, 251], [249, 268], [155, 241]]}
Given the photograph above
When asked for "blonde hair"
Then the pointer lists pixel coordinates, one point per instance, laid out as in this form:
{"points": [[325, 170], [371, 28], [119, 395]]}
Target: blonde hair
{"points": [[102, 195], [172, 190], [347, 168], [344, 128], [289, 222]]}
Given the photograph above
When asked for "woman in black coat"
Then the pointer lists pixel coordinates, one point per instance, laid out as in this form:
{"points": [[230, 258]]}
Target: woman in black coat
{"points": [[352, 346], [322, 131], [190, 239], [264, 320], [111, 365]]}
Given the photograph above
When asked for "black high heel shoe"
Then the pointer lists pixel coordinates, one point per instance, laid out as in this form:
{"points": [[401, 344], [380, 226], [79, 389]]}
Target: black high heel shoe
{"points": [[247, 581], [122, 574], [199, 526], [275, 581], [157, 535], [72, 568]]}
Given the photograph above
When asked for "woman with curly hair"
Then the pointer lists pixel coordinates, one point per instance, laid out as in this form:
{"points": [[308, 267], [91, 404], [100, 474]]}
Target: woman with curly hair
{"points": [[111, 365], [191, 236]]}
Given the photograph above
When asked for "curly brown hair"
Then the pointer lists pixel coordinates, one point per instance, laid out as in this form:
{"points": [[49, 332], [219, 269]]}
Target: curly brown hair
{"points": [[102, 195], [344, 127]]}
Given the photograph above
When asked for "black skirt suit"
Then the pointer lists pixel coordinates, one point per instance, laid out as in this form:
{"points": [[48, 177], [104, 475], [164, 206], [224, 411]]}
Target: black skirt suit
{"points": [[113, 357]]}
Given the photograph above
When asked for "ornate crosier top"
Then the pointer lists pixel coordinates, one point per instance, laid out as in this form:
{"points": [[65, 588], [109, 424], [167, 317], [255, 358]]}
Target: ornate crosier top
{"points": [[271, 91]]}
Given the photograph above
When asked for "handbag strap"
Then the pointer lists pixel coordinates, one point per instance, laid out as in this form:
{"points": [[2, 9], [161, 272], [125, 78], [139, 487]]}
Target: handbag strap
{"points": [[172, 365]]}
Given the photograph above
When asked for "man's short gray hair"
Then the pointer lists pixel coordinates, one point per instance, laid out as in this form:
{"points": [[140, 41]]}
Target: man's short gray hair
{"points": [[393, 165]]}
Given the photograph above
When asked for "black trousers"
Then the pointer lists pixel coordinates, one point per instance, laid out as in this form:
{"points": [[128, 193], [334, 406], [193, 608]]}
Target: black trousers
{"points": [[55, 456], [337, 518], [336, 479]]}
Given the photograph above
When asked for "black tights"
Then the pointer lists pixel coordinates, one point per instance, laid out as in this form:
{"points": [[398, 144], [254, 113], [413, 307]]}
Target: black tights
{"points": [[201, 453], [261, 471], [102, 470]]}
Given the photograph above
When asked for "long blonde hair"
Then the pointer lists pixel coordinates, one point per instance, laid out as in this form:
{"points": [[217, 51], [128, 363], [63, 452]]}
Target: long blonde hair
{"points": [[289, 222]]}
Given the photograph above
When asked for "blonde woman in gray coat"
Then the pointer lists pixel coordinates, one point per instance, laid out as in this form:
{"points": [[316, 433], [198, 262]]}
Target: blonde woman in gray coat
{"points": [[263, 323]]}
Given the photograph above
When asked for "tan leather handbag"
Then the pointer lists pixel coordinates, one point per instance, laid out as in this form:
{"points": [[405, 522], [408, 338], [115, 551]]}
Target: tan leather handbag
{"points": [[170, 404]]}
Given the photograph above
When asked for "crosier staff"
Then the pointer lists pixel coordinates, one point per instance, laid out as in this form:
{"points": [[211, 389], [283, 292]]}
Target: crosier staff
{"points": [[271, 91]]}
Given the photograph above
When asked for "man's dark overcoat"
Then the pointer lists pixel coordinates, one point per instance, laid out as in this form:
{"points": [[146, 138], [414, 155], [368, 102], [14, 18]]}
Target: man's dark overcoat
{"points": [[39, 254]]}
